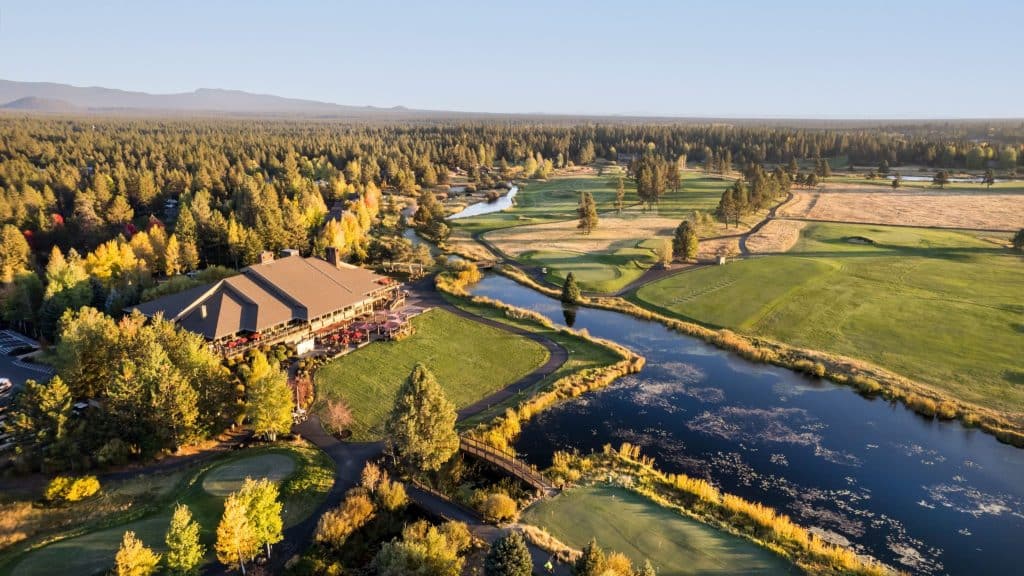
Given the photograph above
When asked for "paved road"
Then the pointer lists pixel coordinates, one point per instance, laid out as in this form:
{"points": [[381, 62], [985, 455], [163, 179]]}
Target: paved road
{"points": [[350, 458]]}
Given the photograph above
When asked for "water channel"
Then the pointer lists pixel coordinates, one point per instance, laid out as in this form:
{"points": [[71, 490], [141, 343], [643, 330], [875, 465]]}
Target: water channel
{"points": [[924, 496]]}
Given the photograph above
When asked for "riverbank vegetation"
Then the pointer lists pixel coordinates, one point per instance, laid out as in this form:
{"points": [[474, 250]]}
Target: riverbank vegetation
{"points": [[471, 360], [627, 469], [500, 431], [638, 527], [145, 505], [868, 379]]}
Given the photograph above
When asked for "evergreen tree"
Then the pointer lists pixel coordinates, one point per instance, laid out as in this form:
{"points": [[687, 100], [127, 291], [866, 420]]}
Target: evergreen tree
{"points": [[651, 178], [509, 556], [184, 551], [591, 562], [989, 179], [1018, 240], [587, 211], [620, 194], [236, 539], [793, 167], [134, 558], [941, 178], [14, 253], [897, 181], [684, 242], [570, 290], [421, 426]]}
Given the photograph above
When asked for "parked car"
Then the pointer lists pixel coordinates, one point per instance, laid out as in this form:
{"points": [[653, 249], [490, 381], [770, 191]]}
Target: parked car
{"points": [[5, 385]]}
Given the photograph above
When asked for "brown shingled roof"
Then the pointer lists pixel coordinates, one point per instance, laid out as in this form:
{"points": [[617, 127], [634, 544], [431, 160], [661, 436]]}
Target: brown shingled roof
{"points": [[267, 295]]}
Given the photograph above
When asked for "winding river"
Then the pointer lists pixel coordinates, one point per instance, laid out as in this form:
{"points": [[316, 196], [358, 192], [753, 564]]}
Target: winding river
{"points": [[504, 202], [925, 496]]}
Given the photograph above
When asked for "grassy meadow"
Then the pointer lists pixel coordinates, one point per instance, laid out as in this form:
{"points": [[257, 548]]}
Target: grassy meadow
{"points": [[626, 522], [469, 359], [942, 307], [93, 552]]}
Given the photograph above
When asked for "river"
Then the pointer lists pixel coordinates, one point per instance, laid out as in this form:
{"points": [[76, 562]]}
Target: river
{"points": [[504, 202], [925, 496]]}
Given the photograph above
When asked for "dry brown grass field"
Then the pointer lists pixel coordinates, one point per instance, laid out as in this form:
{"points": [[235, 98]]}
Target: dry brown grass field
{"points": [[973, 210], [775, 236]]}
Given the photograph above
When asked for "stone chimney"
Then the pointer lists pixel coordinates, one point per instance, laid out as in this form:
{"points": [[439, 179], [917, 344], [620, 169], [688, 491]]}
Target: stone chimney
{"points": [[333, 255], [266, 256]]}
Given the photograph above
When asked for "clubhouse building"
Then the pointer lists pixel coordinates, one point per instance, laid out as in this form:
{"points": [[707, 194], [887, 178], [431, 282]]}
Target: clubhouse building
{"points": [[290, 299]]}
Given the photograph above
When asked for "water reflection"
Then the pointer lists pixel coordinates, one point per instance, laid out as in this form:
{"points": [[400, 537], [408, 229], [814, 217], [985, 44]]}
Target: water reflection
{"points": [[928, 497]]}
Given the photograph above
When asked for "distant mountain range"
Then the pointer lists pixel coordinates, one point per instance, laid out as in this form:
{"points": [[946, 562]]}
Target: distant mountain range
{"points": [[49, 97]]}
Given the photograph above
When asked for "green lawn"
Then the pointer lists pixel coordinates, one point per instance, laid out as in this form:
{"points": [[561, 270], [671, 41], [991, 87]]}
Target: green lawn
{"points": [[556, 199], [942, 307], [623, 521], [597, 272], [469, 359], [582, 355], [93, 553]]}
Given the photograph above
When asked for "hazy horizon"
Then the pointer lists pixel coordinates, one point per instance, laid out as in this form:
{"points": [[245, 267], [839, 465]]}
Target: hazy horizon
{"points": [[731, 60]]}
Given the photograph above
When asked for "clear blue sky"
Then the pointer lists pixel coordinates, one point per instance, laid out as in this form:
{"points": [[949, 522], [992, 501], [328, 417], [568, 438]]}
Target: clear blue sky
{"points": [[734, 58]]}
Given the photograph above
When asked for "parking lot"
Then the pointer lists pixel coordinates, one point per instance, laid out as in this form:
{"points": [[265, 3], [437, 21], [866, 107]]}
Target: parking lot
{"points": [[18, 371]]}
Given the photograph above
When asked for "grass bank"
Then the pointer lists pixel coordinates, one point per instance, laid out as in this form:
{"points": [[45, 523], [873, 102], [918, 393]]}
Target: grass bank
{"points": [[470, 360], [627, 522], [682, 496], [869, 379], [501, 430]]}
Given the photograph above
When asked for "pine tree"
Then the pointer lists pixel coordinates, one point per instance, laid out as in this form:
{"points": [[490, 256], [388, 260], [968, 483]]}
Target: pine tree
{"points": [[508, 556], [620, 194], [184, 552], [236, 540], [570, 290], [134, 558], [587, 211], [684, 242], [421, 426], [591, 562]]}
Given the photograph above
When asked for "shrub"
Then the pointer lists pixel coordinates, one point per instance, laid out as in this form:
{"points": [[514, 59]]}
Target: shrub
{"points": [[57, 489], [946, 410], [391, 495], [67, 489], [336, 525], [497, 507]]}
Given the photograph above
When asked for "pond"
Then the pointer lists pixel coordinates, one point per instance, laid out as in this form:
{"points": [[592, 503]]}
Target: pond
{"points": [[924, 496], [504, 202]]}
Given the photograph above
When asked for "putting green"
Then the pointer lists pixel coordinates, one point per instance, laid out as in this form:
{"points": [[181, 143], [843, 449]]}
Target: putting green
{"points": [[227, 478], [626, 522]]}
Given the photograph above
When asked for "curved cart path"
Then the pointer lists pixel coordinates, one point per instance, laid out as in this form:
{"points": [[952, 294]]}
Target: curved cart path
{"points": [[350, 457]]}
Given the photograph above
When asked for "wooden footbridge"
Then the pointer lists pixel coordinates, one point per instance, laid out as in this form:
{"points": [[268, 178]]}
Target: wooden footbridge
{"points": [[507, 461]]}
